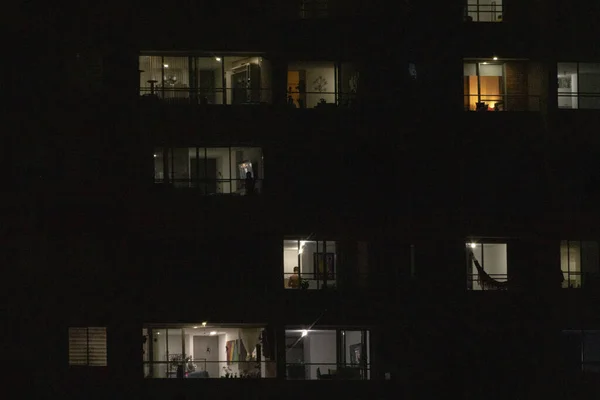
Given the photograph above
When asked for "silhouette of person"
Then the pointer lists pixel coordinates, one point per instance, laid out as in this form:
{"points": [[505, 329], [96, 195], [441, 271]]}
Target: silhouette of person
{"points": [[250, 182], [294, 280], [290, 99], [301, 92]]}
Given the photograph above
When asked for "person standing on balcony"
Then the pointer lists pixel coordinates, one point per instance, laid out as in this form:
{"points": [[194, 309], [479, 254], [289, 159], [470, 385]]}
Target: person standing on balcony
{"points": [[294, 280], [250, 183]]}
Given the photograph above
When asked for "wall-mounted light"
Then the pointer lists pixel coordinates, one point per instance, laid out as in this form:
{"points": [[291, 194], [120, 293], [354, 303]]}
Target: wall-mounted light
{"points": [[484, 63], [213, 333], [166, 65], [195, 327], [304, 332], [158, 333], [495, 58], [472, 245], [204, 324], [155, 156], [218, 59]]}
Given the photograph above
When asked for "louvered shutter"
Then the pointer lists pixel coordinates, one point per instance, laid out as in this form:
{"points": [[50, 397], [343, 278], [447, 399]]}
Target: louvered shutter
{"points": [[97, 347], [87, 346]]}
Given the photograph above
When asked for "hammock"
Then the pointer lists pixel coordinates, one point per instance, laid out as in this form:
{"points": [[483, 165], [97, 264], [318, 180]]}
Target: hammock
{"points": [[485, 280]]}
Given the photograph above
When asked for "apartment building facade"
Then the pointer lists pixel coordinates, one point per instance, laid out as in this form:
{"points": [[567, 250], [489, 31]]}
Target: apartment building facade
{"points": [[266, 196]]}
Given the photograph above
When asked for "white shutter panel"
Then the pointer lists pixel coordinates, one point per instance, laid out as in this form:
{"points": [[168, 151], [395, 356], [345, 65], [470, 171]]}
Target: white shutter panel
{"points": [[78, 346], [97, 347], [87, 346]]}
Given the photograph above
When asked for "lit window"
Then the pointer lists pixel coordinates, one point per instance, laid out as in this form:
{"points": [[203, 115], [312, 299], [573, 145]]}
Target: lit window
{"points": [[578, 85]]}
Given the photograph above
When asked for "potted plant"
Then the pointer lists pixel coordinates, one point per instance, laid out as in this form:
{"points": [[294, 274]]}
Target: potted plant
{"points": [[304, 284]]}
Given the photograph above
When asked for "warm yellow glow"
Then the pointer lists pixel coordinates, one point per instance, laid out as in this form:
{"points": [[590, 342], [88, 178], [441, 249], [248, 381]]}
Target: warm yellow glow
{"points": [[166, 65]]}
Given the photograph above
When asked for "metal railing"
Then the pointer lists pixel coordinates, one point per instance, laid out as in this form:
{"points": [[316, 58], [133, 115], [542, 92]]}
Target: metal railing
{"points": [[580, 280], [236, 187], [474, 283], [309, 281], [321, 100], [203, 369], [579, 100], [233, 96], [199, 96], [492, 12], [327, 371], [502, 102]]}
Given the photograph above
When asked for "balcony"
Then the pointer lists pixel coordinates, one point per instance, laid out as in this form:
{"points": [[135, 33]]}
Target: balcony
{"points": [[502, 85], [207, 351], [484, 11], [205, 80], [322, 85], [210, 171], [580, 264], [578, 86], [327, 354], [487, 266], [316, 265]]}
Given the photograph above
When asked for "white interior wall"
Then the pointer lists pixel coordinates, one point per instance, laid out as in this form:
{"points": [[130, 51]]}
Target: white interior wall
{"points": [[313, 71], [327, 71], [493, 260], [570, 102], [290, 260], [321, 349], [307, 263]]}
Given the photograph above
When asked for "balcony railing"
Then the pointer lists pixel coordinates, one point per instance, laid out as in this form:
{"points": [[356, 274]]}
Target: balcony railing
{"points": [[487, 282], [321, 99], [502, 102], [230, 96], [202, 368], [219, 96], [309, 281], [579, 100], [213, 186], [580, 280], [327, 371], [484, 12]]}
